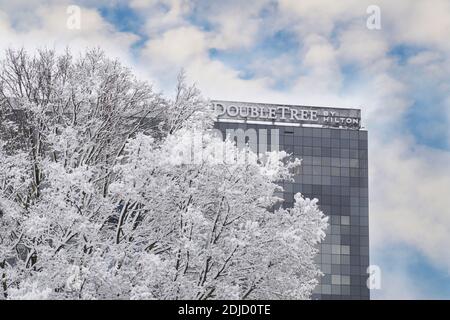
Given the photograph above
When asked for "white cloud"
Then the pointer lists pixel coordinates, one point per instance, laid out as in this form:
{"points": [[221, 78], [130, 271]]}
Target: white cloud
{"points": [[161, 15], [418, 22], [320, 16], [236, 24], [357, 44], [409, 187], [396, 280], [49, 28], [319, 60], [177, 47]]}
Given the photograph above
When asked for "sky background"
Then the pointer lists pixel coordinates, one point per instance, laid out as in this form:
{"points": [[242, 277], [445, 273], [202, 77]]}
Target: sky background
{"points": [[302, 52]]}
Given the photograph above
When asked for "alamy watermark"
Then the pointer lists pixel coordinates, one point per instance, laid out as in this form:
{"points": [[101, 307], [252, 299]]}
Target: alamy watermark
{"points": [[374, 279], [373, 22], [243, 146], [74, 17]]}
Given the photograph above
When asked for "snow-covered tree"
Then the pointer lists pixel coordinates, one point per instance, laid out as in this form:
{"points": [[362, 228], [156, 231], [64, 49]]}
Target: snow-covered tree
{"points": [[110, 191]]}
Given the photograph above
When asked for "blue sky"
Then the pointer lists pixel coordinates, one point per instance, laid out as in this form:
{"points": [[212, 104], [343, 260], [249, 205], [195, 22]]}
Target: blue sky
{"points": [[303, 52]]}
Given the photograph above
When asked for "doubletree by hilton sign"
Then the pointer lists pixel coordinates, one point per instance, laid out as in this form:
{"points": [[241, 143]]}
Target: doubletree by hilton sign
{"points": [[294, 115]]}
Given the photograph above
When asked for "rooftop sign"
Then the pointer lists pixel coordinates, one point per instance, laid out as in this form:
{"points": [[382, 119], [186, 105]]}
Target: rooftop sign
{"points": [[288, 114]]}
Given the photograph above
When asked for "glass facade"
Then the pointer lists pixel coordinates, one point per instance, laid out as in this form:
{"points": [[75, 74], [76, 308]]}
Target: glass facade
{"points": [[334, 170]]}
